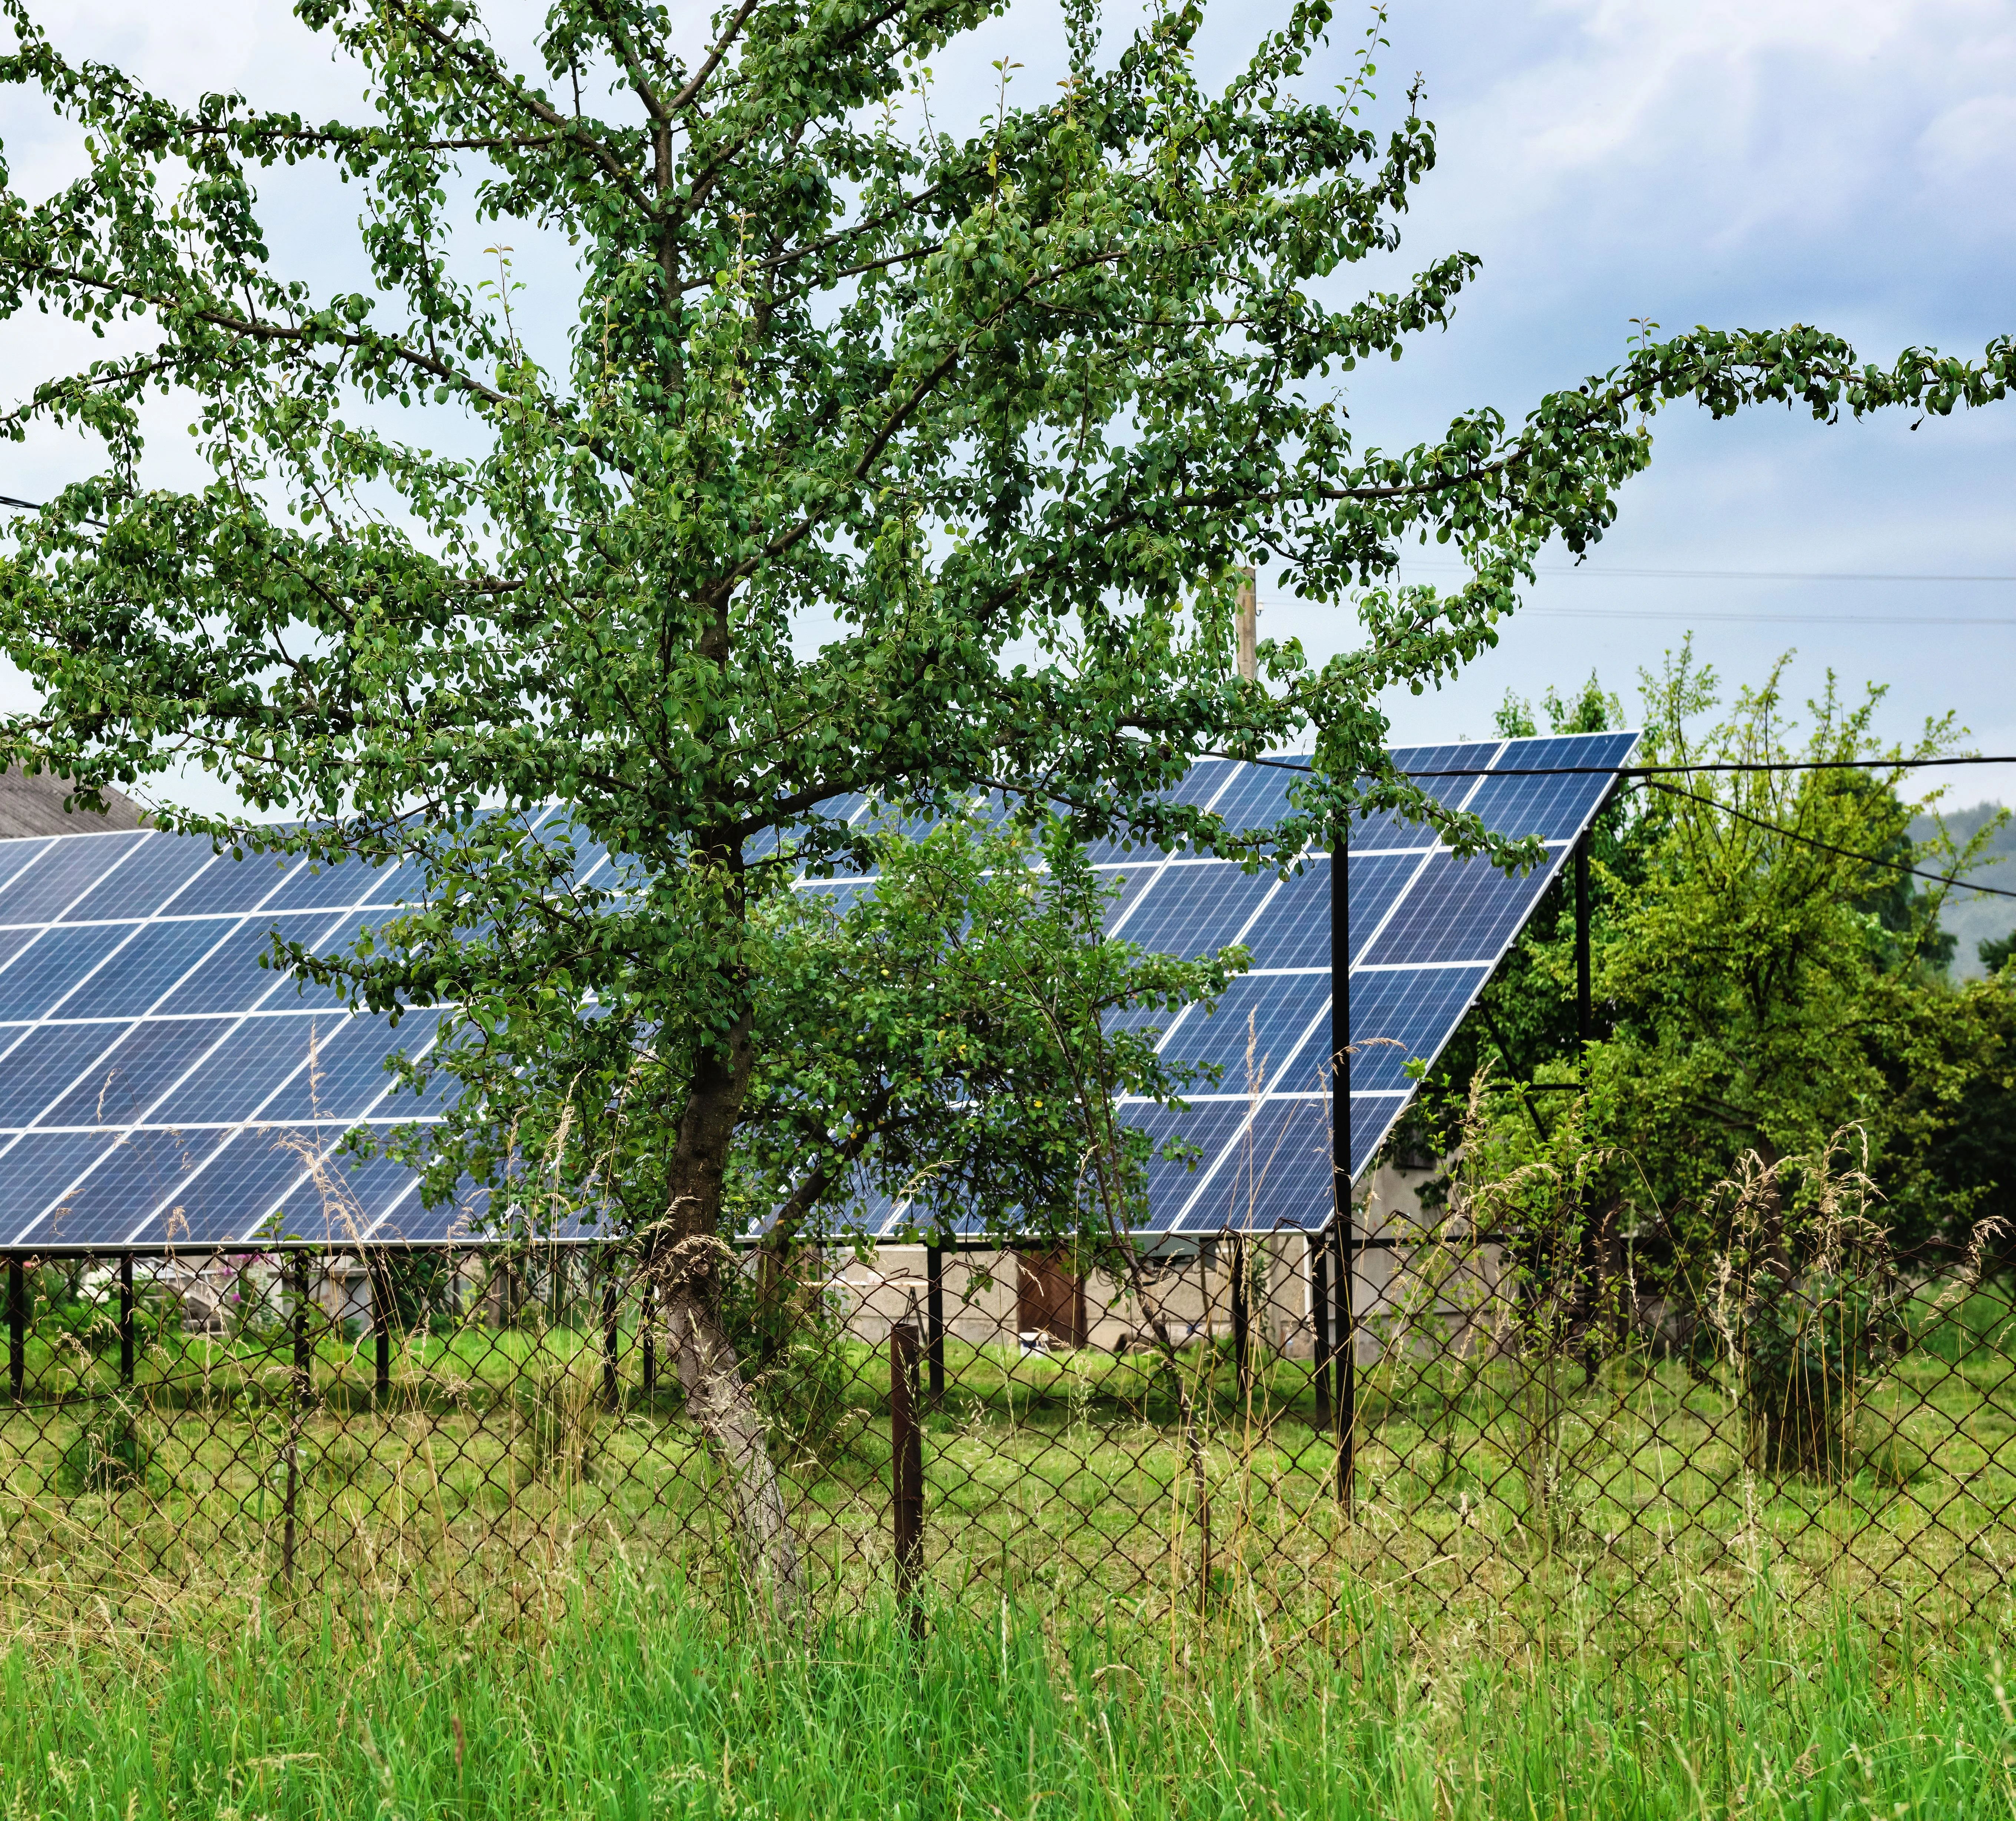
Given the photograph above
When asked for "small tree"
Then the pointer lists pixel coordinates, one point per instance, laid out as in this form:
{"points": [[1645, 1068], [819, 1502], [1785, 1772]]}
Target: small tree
{"points": [[883, 458]]}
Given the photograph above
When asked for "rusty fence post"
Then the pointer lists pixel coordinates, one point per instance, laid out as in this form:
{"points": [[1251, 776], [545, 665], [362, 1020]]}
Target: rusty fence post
{"points": [[1242, 1318], [906, 1471], [648, 1319], [1318, 1263]]}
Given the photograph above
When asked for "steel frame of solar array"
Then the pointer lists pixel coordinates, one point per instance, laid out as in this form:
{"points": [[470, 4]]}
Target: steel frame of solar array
{"points": [[160, 1089], [1426, 930]]}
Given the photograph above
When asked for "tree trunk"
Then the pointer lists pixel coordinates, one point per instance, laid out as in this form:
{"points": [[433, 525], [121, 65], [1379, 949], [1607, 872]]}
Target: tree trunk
{"points": [[720, 1403], [682, 1262]]}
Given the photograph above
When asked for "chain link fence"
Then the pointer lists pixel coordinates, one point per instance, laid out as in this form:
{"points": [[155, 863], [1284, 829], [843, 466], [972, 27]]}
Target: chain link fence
{"points": [[1479, 1434]]}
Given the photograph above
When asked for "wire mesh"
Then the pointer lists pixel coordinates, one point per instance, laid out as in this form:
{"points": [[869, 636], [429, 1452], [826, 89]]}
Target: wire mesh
{"points": [[1549, 1447]]}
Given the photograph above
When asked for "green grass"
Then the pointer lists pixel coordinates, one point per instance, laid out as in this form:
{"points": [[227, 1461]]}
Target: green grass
{"points": [[628, 1701], [494, 1458]]}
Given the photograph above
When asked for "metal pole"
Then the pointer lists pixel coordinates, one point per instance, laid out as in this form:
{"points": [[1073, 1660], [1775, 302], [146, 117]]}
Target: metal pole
{"points": [[380, 1281], [300, 1388], [611, 1391], [1247, 613], [1319, 1308], [1341, 1170], [125, 1318], [1241, 1315], [906, 1470], [650, 1340], [303, 1357], [1585, 1028], [17, 1328], [935, 1324]]}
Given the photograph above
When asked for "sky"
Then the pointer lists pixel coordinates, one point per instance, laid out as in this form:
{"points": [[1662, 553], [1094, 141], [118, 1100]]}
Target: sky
{"points": [[1732, 163]]}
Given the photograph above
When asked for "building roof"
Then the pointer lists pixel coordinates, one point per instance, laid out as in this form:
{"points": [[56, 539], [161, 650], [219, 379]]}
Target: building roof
{"points": [[34, 806]]}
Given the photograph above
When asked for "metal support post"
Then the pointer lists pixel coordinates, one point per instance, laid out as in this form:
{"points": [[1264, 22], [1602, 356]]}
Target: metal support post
{"points": [[611, 1391], [380, 1281], [935, 1325], [1341, 1170], [304, 1348], [906, 1471], [1585, 1023], [1242, 1316], [17, 1328], [649, 1319], [301, 1385], [125, 1318]]}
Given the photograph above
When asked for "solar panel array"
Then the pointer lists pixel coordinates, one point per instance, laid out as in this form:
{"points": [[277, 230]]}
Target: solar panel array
{"points": [[158, 1086], [1426, 930]]}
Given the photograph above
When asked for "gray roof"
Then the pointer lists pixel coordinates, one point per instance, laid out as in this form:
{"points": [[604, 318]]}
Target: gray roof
{"points": [[34, 806]]}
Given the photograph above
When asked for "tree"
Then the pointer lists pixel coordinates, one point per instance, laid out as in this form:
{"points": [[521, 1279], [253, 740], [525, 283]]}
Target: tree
{"points": [[884, 459], [1768, 971]]}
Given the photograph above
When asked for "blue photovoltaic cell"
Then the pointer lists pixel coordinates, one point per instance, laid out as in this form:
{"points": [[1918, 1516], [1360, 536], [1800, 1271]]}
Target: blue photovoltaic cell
{"points": [[34, 1169], [231, 978], [252, 1059], [1423, 764], [1193, 906], [151, 875], [47, 970], [1256, 798], [137, 1172], [17, 854], [143, 969], [1260, 1022], [60, 875], [1294, 932], [1125, 884], [1405, 1017], [379, 1195], [121, 1085], [1209, 1125], [1456, 909], [160, 941], [1281, 1159], [44, 1064], [313, 887], [243, 1184], [13, 941], [348, 1075], [234, 884]]}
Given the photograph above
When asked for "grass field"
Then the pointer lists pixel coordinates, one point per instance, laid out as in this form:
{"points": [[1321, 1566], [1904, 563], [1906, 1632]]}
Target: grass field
{"points": [[629, 1700], [510, 1598], [493, 1458]]}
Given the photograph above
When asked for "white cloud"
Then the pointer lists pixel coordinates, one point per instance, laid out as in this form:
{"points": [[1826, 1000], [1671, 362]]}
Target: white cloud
{"points": [[1977, 136]]}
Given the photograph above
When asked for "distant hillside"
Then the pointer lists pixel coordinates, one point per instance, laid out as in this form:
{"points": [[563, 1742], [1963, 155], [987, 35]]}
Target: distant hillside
{"points": [[1976, 919]]}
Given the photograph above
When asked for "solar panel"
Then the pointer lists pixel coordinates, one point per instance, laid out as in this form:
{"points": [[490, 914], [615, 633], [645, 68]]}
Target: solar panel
{"points": [[1428, 930], [159, 1087]]}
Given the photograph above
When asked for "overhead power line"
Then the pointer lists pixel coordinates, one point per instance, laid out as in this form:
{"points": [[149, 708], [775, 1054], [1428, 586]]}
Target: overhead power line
{"points": [[1826, 847], [1654, 574], [1732, 765], [1693, 616]]}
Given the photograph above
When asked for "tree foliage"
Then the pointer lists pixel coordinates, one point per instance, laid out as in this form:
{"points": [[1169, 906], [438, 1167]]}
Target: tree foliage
{"points": [[1767, 972]]}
